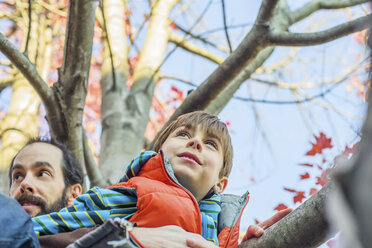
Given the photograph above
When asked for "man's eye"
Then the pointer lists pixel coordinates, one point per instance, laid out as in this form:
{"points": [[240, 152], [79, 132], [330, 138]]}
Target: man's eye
{"points": [[44, 174], [17, 177]]}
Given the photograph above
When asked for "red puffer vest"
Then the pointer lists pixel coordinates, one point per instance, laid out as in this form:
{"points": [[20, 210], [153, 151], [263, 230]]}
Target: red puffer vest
{"points": [[155, 190]]}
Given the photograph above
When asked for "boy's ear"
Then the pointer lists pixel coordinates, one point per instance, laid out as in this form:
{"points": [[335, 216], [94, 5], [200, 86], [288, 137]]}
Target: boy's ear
{"points": [[220, 186], [73, 191]]}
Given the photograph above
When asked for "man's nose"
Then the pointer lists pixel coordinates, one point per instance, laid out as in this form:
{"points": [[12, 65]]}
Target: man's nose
{"points": [[195, 143], [27, 185]]}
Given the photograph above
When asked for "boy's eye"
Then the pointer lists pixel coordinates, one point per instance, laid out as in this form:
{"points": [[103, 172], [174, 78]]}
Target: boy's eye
{"points": [[211, 143], [183, 134]]}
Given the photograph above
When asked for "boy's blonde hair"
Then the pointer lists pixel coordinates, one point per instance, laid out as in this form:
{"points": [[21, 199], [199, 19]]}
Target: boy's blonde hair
{"points": [[208, 123]]}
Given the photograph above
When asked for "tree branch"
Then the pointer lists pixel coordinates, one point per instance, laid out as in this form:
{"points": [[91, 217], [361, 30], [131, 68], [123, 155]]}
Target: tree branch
{"points": [[305, 227], [224, 97], [94, 175], [6, 82], [266, 11], [225, 25], [199, 37], [188, 46], [28, 70], [29, 27], [315, 5], [282, 38], [72, 85]]}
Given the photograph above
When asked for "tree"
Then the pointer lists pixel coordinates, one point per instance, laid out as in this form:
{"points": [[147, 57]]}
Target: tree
{"points": [[128, 79]]}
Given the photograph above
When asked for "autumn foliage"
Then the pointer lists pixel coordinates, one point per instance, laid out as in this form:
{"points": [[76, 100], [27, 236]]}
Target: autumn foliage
{"points": [[318, 172]]}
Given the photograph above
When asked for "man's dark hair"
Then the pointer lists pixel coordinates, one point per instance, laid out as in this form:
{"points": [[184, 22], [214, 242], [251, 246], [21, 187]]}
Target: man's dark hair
{"points": [[71, 168]]}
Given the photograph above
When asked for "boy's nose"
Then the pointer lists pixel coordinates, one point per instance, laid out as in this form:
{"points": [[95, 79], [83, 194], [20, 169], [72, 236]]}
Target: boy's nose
{"points": [[194, 143]]}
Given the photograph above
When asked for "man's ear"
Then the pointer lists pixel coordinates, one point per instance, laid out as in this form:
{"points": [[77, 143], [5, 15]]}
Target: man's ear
{"points": [[73, 191], [220, 186]]}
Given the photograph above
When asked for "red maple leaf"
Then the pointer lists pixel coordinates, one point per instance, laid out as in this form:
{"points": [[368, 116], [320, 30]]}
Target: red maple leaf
{"points": [[290, 190], [307, 164], [173, 26], [281, 206], [179, 94], [300, 195], [346, 153], [305, 176], [313, 191], [321, 143], [323, 179]]}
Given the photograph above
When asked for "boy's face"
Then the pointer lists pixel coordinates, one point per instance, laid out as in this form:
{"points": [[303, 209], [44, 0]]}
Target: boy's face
{"points": [[197, 159]]}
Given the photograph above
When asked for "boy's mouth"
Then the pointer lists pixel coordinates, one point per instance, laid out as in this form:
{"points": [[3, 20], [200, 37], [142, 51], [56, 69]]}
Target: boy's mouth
{"points": [[190, 156]]}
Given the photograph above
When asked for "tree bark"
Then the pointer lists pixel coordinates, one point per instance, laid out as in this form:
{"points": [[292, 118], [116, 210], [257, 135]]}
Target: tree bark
{"points": [[72, 85], [305, 227], [114, 88], [137, 103]]}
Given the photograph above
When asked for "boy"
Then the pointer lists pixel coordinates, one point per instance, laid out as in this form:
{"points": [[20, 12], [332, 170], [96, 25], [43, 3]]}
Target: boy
{"points": [[180, 185]]}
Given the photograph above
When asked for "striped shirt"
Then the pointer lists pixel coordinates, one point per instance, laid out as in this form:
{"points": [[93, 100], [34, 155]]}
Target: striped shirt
{"points": [[98, 204]]}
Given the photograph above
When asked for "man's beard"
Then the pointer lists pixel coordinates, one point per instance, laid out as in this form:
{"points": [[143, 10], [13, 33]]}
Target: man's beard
{"points": [[45, 209]]}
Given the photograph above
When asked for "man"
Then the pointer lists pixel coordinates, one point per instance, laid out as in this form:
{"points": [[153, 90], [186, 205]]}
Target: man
{"points": [[45, 177]]}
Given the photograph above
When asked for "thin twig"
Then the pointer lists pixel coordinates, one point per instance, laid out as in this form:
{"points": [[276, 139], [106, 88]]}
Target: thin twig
{"points": [[219, 29], [245, 99], [225, 25], [199, 37], [29, 27], [91, 166], [175, 48], [113, 88]]}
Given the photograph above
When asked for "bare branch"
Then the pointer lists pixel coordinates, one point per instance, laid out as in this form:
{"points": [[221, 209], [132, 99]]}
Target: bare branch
{"points": [[225, 25], [315, 5], [6, 82], [52, 8], [188, 46], [29, 27], [72, 85], [94, 175], [282, 38], [243, 25], [305, 227], [179, 80], [28, 70], [216, 106], [78, 45], [199, 37], [114, 83], [266, 11]]}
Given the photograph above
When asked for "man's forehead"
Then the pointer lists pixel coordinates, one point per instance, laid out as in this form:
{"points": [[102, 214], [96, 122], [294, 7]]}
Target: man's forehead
{"points": [[39, 152]]}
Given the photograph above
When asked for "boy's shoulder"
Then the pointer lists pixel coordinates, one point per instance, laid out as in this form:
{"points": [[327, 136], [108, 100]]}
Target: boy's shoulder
{"points": [[135, 165]]}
